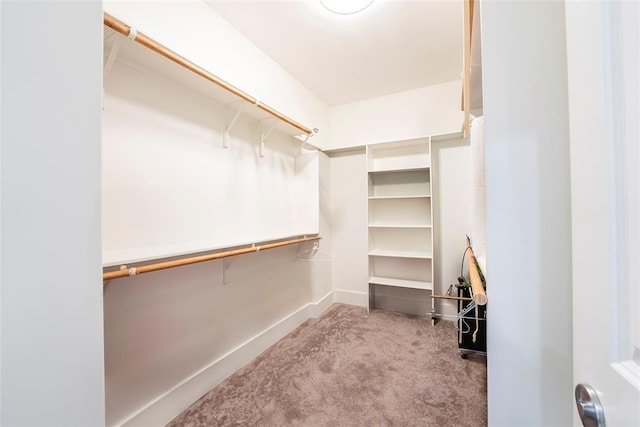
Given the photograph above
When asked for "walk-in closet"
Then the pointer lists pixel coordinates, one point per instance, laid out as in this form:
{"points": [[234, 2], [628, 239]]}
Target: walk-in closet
{"points": [[319, 213]]}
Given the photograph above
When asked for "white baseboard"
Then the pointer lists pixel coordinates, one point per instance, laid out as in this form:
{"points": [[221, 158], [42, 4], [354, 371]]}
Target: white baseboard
{"points": [[316, 309], [349, 297], [167, 406]]}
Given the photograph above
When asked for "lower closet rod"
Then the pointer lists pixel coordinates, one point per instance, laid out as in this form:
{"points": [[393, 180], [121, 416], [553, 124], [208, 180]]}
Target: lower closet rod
{"points": [[134, 271]]}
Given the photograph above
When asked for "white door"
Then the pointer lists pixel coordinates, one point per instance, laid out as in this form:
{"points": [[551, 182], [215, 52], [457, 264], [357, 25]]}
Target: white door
{"points": [[603, 47]]}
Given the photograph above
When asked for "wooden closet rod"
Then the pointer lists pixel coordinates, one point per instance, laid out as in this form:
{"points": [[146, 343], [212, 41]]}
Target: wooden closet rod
{"points": [[450, 297], [119, 26], [478, 293], [134, 271]]}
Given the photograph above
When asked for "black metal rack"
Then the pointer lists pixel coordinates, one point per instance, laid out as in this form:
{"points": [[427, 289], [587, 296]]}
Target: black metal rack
{"points": [[472, 325]]}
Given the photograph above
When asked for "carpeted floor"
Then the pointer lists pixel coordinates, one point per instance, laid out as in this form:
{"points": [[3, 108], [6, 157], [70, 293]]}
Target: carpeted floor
{"points": [[350, 368]]}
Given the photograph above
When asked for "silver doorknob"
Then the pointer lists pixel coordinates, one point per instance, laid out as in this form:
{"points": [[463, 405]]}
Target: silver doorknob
{"points": [[589, 406]]}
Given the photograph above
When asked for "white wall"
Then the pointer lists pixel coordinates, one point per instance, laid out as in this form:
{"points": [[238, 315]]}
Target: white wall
{"points": [[528, 214], [51, 315], [172, 335], [349, 217], [430, 110], [405, 115], [451, 186], [322, 261], [222, 50], [170, 187]]}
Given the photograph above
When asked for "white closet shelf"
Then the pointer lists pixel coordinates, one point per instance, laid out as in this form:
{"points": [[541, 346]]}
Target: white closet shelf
{"points": [[402, 283], [399, 226], [111, 258], [447, 136], [197, 257], [394, 146], [150, 57], [417, 196], [401, 254], [399, 169]]}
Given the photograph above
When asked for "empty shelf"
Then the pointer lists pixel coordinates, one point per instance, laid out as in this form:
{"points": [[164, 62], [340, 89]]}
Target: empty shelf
{"points": [[417, 196], [414, 284], [398, 169], [399, 226], [401, 254]]}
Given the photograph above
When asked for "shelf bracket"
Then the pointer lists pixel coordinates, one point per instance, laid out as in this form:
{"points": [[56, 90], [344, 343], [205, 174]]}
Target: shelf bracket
{"points": [[111, 60], [264, 135], [306, 138], [226, 136]]}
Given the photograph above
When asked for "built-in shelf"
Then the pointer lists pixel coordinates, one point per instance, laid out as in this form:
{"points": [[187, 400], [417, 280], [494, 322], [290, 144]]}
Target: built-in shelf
{"points": [[400, 216], [399, 226], [400, 211], [398, 169], [401, 283], [400, 184], [399, 155], [401, 254], [417, 196]]}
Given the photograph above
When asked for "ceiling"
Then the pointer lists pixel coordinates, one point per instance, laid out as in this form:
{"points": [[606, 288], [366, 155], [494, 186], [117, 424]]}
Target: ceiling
{"points": [[393, 46]]}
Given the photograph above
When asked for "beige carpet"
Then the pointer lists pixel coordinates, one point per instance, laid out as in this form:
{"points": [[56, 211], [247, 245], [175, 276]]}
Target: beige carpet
{"points": [[350, 368]]}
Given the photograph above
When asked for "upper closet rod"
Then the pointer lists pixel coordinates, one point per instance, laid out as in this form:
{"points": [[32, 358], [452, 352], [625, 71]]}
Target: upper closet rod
{"points": [[134, 271], [122, 28]]}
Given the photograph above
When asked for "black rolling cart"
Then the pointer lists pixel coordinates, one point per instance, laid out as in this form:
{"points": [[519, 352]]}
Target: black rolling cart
{"points": [[472, 324], [471, 320]]}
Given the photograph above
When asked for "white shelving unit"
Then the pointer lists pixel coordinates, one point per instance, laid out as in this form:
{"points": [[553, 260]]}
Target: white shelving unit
{"points": [[400, 215]]}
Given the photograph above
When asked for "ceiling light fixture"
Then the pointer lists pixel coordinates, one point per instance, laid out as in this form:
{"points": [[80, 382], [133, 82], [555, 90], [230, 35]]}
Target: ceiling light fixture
{"points": [[346, 7]]}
